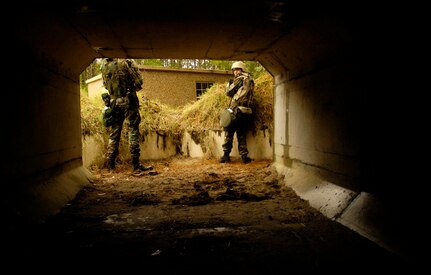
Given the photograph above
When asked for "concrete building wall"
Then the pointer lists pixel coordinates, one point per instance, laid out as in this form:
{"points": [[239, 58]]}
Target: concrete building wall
{"points": [[95, 86], [170, 86], [177, 87]]}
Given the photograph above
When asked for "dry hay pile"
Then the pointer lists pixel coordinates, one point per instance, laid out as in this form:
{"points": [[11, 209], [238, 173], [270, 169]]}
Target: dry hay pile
{"points": [[203, 114]]}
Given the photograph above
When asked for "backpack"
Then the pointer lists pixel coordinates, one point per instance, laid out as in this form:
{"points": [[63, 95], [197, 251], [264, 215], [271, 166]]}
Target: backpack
{"points": [[120, 77]]}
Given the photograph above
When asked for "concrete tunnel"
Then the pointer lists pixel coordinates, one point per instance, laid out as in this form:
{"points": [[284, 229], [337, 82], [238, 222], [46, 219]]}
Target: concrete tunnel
{"points": [[313, 52]]}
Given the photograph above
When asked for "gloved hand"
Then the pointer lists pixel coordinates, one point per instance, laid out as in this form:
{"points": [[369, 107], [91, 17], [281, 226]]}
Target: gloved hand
{"points": [[106, 99]]}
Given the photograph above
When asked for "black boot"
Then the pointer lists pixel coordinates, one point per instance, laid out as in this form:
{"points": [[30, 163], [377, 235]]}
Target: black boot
{"points": [[137, 166], [111, 164], [245, 159], [141, 167], [225, 158]]}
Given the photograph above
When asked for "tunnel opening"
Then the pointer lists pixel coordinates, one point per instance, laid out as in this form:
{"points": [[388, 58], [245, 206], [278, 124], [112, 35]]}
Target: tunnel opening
{"points": [[186, 127]]}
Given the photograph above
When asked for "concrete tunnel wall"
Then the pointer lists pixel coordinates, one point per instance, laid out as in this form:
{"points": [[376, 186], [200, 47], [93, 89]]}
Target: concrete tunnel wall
{"points": [[316, 108]]}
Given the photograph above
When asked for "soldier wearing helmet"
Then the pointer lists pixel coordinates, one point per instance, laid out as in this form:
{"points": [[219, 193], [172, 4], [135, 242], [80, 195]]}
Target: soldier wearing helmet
{"points": [[122, 79], [240, 91]]}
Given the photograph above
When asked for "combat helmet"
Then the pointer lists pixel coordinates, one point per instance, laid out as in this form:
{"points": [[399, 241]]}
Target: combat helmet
{"points": [[239, 65]]}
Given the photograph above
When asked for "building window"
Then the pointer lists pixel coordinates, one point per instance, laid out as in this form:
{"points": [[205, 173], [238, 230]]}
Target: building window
{"points": [[201, 87]]}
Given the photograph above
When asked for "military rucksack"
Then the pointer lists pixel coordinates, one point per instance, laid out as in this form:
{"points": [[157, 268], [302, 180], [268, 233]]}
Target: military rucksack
{"points": [[121, 77]]}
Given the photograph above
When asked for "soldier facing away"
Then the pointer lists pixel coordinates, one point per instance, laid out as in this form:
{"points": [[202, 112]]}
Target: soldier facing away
{"points": [[122, 79]]}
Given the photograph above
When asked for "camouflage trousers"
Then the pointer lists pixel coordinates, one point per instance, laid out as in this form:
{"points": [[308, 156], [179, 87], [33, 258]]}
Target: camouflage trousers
{"points": [[131, 118], [240, 128]]}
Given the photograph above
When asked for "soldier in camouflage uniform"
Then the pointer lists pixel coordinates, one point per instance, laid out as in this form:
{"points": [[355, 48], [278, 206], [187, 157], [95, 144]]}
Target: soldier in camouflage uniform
{"points": [[240, 90], [122, 79]]}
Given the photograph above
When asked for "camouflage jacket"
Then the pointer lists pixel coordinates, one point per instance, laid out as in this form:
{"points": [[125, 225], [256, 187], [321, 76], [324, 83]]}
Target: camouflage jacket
{"points": [[241, 90]]}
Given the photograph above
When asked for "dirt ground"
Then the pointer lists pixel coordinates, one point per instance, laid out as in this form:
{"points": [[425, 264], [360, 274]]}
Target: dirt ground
{"points": [[198, 216]]}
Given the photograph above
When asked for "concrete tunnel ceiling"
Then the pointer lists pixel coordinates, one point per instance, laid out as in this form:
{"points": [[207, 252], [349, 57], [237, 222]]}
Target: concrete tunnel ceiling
{"points": [[176, 30], [220, 30]]}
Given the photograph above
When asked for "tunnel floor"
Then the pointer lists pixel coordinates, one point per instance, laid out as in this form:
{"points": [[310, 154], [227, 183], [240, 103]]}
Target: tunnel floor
{"points": [[195, 216]]}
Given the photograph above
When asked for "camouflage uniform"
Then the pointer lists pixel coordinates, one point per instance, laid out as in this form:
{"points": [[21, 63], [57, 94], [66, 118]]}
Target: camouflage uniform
{"points": [[122, 79], [240, 90]]}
